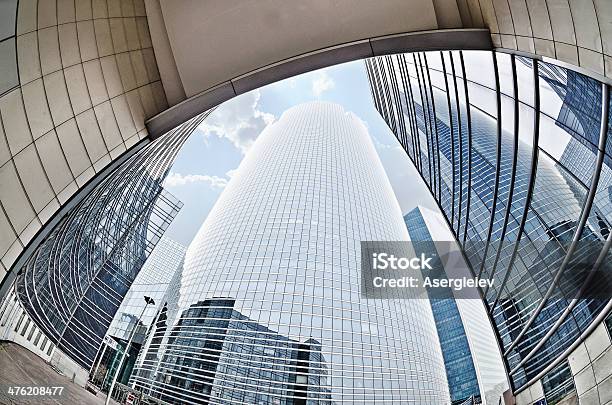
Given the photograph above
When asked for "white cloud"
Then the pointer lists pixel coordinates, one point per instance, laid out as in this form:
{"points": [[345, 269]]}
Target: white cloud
{"points": [[321, 83], [177, 179], [239, 120]]}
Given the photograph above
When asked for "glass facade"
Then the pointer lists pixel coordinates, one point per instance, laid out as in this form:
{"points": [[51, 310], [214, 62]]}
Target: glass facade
{"points": [[516, 153], [558, 385], [267, 308], [74, 281], [152, 281], [106, 366], [460, 371], [241, 350]]}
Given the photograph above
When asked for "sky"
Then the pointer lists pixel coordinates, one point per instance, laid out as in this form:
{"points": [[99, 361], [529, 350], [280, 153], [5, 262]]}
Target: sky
{"points": [[206, 162]]}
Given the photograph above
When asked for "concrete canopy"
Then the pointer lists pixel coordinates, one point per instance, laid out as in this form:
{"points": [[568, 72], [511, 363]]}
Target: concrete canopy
{"points": [[209, 51]]}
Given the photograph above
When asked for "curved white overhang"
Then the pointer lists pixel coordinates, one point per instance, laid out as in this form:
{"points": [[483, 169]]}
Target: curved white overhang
{"points": [[210, 51], [214, 41], [407, 42]]}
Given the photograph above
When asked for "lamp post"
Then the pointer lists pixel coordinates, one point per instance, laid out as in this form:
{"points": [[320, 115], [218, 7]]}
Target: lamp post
{"points": [[148, 301]]}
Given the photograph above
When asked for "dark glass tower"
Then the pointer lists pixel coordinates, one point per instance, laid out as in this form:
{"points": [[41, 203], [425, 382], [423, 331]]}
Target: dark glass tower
{"points": [[460, 371], [516, 152], [229, 348]]}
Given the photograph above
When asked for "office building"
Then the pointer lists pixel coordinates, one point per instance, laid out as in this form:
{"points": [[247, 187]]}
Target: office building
{"points": [[152, 281], [460, 371], [74, 281], [280, 251], [80, 78], [473, 364], [231, 358], [492, 135]]}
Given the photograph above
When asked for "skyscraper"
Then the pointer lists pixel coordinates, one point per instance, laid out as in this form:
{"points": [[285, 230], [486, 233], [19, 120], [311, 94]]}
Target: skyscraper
{"points": [[460, 371], [74, 280], [152, 281], [280, 251], [496, 139], [472, 360], [236, 348]]}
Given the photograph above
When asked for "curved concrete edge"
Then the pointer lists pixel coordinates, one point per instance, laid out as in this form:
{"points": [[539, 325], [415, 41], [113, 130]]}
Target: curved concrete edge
{"points": [[448, 39], [582, 70], [168, 72]]}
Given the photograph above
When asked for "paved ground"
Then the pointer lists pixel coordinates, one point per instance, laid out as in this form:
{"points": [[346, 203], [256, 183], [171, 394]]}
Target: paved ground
{"points": [[20, 367]]}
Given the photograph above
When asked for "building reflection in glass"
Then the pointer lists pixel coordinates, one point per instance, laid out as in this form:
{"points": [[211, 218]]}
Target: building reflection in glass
{"points": [[73, 283], [152, 281], [231, 358], [518, 156]]}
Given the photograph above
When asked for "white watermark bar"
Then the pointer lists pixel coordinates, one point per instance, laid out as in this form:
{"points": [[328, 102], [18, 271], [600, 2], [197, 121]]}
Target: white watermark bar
{"points": [[456, 284], [413, 269]]}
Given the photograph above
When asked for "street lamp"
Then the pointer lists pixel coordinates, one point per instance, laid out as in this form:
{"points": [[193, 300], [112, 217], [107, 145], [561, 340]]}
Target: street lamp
{"points": [[148, 301]]}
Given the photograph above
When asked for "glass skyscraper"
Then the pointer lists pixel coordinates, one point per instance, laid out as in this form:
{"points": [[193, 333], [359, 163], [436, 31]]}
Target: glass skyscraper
{"points": [[74, 281], [516, 153], [268, 307], [460, 371], [152, 281]]}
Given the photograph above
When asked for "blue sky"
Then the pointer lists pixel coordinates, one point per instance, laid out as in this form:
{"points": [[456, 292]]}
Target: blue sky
{"points": [[205, 164]]}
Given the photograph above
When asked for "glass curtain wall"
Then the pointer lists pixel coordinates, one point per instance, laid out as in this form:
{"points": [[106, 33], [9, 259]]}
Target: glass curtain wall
{"points": [[518, 156], [268, 307], [73, 283], [458, 362]]}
